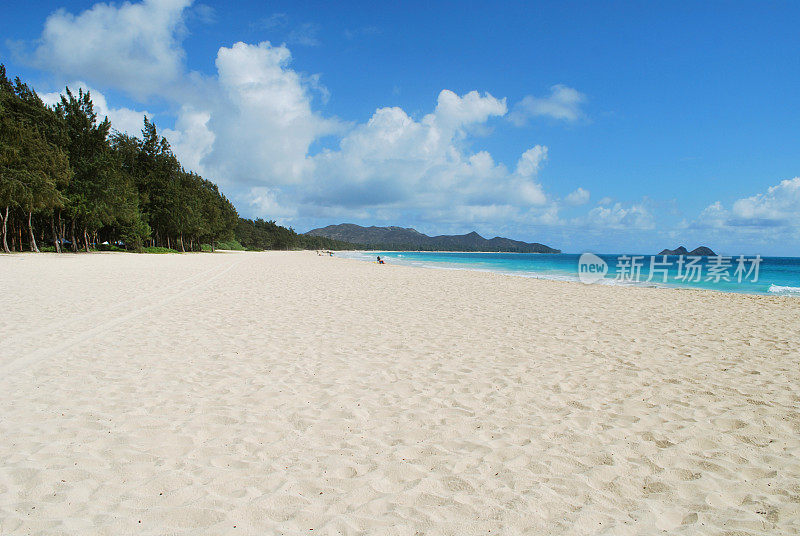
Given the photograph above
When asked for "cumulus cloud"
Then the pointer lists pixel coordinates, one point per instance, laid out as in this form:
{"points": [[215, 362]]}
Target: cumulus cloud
{"points": [[531, 160], [618, 216], [564, 103], [122, 119], [261, 119], [578, 197], [714, 215], [132, 47], [399, 164], [454, 113], [779, 207]]}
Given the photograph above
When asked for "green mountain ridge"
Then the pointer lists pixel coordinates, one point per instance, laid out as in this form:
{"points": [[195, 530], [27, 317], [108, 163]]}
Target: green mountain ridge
{"points": [[408, 239]]}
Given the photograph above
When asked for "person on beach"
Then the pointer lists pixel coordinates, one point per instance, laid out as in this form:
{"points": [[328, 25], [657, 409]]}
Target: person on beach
{"points": [[380, 261]]}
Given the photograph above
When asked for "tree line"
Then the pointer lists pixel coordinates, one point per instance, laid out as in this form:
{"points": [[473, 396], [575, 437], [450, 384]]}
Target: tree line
{"points": [[68, 181]]}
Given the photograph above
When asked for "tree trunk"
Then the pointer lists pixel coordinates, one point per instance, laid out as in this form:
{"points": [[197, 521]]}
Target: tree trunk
{"points": [[55, 234], [86, 240], [5, 241], [72, 234], [183, 250], [61, 230], [30, 229]]}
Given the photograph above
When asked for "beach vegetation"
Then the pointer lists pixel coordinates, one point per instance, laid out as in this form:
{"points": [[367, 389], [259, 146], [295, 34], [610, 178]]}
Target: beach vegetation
{"points": [[232, 244], [157, 249]]}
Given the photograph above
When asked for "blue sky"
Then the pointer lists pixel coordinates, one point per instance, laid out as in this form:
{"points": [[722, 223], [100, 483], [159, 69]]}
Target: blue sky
{"points": [[585, 125]]}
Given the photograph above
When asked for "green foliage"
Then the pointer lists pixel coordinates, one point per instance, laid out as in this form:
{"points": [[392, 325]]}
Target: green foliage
{"points": [[63, 171], [259, 235], [154, 249], [32, 168], [108, 247], [231, 245]]}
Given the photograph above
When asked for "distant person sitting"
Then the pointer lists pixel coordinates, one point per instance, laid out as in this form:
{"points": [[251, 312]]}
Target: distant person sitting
{"points": [[380, 261]]}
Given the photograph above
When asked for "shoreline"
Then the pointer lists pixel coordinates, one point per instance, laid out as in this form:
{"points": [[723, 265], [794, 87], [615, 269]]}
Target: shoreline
{"points": [[565, 278], [608, 282]]}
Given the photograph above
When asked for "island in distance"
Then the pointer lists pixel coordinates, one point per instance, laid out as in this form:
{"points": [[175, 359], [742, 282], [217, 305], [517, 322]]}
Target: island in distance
{"points": [[701, 251], [407, 239]]}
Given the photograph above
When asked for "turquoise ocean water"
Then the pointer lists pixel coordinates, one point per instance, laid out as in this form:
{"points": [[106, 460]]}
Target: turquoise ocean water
{"points": [[775, 275]]}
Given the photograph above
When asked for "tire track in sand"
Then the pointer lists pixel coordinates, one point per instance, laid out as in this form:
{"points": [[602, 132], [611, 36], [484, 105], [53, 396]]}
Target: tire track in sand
{"points": [[30, 358], [105, 311]]}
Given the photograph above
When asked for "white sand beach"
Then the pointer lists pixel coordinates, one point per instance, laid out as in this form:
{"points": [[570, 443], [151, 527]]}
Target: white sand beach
{"points": [[286, 393]]}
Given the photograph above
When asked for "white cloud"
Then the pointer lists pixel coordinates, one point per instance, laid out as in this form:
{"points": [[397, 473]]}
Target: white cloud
{"points": [[268, 202], [779, 206], [205, 13], [398, 164], [764, 223], [261, 119], [454, 112], [531, 160], [133, 47], [564, 103], [122, 119], [306, 34], [255, 124], [276, 20], [634, 217], [714, 215], [578, 197], [191, 139]]}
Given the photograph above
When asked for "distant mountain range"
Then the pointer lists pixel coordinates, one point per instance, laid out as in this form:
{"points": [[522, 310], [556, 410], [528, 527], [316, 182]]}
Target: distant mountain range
{"points": [[701, 251], [405, 239]]}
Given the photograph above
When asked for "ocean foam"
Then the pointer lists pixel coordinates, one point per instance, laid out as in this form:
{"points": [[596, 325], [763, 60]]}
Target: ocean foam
{"points": [[778, 289]]}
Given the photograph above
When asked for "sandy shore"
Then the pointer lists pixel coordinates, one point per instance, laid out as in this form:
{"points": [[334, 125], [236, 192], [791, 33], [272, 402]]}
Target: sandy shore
{"points": [[285, 393]]}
